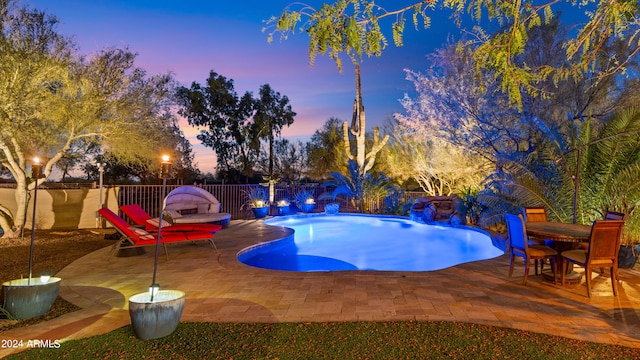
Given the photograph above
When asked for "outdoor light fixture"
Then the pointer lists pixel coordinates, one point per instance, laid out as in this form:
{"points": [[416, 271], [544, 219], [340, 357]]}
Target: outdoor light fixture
{"points": [[165, 174], [101, 166], [153, 290], [36, 173], [36, 168]]}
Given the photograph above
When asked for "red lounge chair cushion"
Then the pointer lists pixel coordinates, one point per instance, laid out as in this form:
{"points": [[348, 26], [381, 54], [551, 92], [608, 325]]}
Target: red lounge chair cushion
{"points": [[141, 217]]}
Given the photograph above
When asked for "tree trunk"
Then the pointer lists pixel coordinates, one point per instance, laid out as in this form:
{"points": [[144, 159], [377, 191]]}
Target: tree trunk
{"points": [[22, 195]]}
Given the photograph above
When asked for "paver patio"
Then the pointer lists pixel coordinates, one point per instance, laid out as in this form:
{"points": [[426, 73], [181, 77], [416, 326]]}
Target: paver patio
{"points": [[221, 289]]}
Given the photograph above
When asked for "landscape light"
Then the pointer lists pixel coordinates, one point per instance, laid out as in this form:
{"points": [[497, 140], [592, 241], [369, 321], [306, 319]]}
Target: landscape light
{"points": [[166, 167], [153, 290], [36, 168]]}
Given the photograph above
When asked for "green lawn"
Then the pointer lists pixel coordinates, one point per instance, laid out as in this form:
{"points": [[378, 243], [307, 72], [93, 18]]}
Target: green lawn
{"points": [[351, 340]]}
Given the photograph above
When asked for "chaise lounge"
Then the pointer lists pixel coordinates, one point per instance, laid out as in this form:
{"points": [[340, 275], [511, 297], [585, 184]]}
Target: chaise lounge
{"points": [[133, 237], [140, 217]]}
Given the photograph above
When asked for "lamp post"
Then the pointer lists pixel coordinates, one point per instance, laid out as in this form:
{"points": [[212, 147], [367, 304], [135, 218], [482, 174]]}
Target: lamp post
{"points": [[100, 186], [157, 313], [36, 173], [101, 183], [165, 174], [29, 298]]}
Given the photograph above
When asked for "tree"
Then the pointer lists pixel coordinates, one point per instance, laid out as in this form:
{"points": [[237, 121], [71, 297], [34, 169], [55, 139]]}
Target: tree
{"points": [[325, 150], [226, 119], [450, 106], [352, 27], [600, 166], [439, 167], [289, 161], [273, 111], [52, 101]]}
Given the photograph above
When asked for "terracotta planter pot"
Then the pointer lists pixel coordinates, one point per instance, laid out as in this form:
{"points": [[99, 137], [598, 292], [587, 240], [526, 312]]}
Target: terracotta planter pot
{"points": [[25, 299], [153, 320]]}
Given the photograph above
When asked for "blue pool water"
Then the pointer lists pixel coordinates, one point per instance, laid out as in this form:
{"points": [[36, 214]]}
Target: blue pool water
{"points": [[365, 242]]}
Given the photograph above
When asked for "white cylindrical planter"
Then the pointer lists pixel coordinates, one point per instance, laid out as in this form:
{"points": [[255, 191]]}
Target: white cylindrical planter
{"points": [[25, 299], [153, 320]]}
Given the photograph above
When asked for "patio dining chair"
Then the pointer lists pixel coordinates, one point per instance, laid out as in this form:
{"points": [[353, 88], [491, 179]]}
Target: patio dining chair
{"points": [[604, 244], [519, 246], [536, 214], [609, 215], [613, 215]]}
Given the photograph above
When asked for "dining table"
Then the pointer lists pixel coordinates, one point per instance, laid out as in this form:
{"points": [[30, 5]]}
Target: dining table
{"points": [[564, 236]]}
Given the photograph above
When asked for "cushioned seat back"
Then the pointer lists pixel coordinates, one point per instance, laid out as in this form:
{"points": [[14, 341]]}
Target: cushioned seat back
{"points": [[117, 221], [612, 215], [134, 234], [516, 233], [135, 213]]}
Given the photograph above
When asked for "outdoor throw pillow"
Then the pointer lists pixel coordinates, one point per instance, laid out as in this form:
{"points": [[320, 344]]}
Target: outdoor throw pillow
{"points": [[172, 214], [189, 211], [143, 235], [156, 222]]}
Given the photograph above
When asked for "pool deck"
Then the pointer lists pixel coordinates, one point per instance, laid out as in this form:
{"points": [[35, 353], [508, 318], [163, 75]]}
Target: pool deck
{"points": [[221, 289]]}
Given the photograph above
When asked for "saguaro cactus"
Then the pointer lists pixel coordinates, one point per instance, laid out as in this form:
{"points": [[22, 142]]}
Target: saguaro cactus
{"points": [[364, 159]]}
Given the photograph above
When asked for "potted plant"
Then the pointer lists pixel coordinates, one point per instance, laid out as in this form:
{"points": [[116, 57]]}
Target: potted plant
{"points": [[630, 242], [468, 207], [283, 206], [305, 201], [31, 297], [256, 198]]}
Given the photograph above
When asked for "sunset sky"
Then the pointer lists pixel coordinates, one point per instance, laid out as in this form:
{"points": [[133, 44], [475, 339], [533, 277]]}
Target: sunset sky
{"points": [[190, 38]]}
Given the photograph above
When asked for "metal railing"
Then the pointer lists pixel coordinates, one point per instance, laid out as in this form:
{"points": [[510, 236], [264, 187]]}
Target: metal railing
{"points": [[232, 199]]}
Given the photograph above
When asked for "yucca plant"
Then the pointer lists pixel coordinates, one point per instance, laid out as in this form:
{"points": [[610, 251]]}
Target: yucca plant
{"points": [[357, 187]]}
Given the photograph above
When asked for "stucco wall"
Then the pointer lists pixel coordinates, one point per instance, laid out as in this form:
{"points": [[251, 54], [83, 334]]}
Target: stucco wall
{"points": [[63, 209]]}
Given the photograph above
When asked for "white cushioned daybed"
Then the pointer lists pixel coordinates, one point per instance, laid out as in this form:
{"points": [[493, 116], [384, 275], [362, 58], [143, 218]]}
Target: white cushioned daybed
{"points": [[191, 204]]}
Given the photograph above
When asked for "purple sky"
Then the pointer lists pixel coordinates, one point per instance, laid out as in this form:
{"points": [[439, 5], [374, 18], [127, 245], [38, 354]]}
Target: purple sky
{"points": [[189, 38]]}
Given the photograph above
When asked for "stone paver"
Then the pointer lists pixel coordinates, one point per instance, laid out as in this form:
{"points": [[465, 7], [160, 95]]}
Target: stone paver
{"points": [[221, 289]]}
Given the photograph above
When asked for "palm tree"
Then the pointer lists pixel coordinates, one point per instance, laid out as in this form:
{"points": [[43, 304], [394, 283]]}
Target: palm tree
{"points": [[577, 174]]}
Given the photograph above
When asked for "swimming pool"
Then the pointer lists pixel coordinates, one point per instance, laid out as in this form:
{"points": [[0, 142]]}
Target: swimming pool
{"points": [[366, 242]]}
